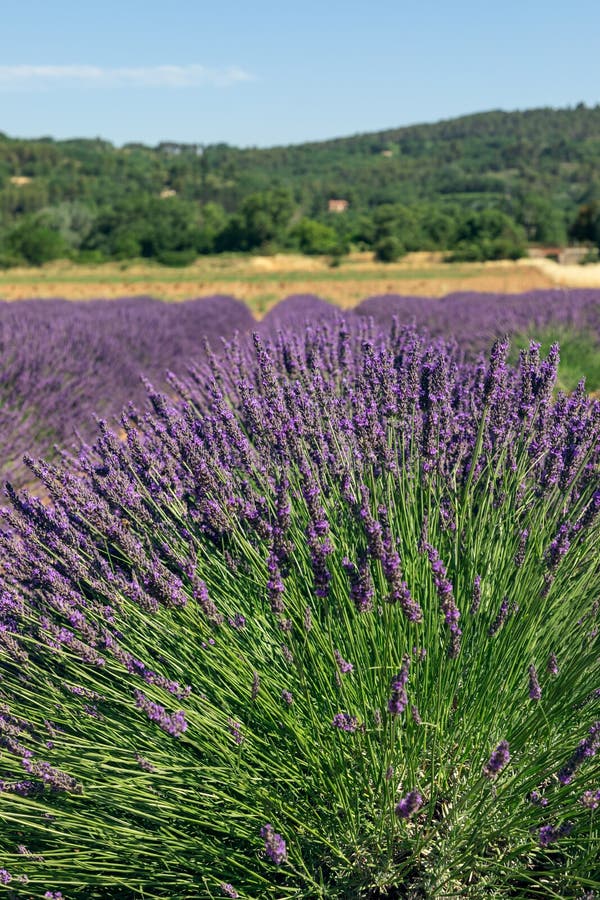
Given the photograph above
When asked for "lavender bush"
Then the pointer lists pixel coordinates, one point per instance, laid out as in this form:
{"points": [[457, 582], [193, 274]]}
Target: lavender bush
{"points": [[61, 361], [324, 626]]}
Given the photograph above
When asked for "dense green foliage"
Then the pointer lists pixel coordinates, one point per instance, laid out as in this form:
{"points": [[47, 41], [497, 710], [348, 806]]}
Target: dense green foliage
{"points": [[480, 186]]}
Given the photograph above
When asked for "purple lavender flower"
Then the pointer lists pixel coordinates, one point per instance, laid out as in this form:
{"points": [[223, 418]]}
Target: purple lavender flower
{"points": [[558, 546], [5, 877], [445, 592], [399, 699], [274, 845], [287, 654], [53, 895], [520, 554], [345, 722], [228, 890], [362, 589], [498, 760], [144, 764], [287, 697], [538, 799], [343, 665], [173, 723], [476, 595], [535, 691], [552, 665], [590, 799], [307, 619], [500, 618], [238, 621], [409, 804], [586, 749], [235, 730], [550, 833]]}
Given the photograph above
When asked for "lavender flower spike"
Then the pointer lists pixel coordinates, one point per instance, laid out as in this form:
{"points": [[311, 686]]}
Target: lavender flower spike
{"points": [[274, 845], [586, 749], [410, 804], [399, 699], [535, 691], [498, 760], [345, 722], [343, 665]]}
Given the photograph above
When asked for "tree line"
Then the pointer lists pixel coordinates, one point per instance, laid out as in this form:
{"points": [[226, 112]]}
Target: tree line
{"points": [[479, 187]]}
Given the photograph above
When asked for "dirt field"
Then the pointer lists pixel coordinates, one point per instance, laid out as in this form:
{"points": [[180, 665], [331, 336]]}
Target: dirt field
{"points": [[263, 281]]}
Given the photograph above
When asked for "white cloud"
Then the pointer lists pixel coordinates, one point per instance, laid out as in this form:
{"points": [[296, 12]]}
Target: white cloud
{"points": [[44, 77]]}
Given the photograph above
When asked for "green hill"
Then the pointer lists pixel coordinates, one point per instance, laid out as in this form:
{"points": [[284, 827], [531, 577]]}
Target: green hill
{"points": [[423, 186]]}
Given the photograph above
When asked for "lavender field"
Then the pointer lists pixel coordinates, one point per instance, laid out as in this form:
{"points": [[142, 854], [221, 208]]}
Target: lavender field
{"points": [[64, 362], [312, 614]]}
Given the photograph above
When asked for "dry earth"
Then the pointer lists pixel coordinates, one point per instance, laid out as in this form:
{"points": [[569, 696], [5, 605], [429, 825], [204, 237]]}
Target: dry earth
{"points": [[263, 281]]}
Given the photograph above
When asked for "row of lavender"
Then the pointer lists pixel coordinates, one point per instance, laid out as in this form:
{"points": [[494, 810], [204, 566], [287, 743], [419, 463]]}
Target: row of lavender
{"points": [[322, 623], [61, 362]]}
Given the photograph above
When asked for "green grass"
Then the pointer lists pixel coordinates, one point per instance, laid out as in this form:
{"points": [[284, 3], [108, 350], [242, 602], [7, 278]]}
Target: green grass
{"points": [[579, 355]]}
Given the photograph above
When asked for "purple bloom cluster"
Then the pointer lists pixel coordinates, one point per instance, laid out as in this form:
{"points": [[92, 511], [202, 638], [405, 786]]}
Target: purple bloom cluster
{"points": [[445, 592], [535, 691], [343, 665], [590, 799], [275, 847], [235, 730], [345, 722], [552, 664], [550, 833], [586, 749], [173, 723], [409, 804], [399, 699], [498, 760], [362, 590]]}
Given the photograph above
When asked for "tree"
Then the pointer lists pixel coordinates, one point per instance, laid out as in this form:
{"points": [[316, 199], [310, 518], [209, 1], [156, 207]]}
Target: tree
{"points": [[313, 237], [36, 243], [389, 249], [586, 226]]}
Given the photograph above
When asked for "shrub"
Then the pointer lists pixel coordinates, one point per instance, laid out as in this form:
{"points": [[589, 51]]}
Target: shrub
{"points": [[389, 249], [313, 237], [177, 258], [36, 244], [323, 626]]}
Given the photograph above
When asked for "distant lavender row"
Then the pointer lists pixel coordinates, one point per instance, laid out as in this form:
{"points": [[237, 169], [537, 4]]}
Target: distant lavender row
{"points": [[62, 361], [476, 319]]}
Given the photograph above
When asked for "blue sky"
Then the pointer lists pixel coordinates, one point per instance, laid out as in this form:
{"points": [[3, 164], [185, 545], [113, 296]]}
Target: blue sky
{"points": [[260, 72]]}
